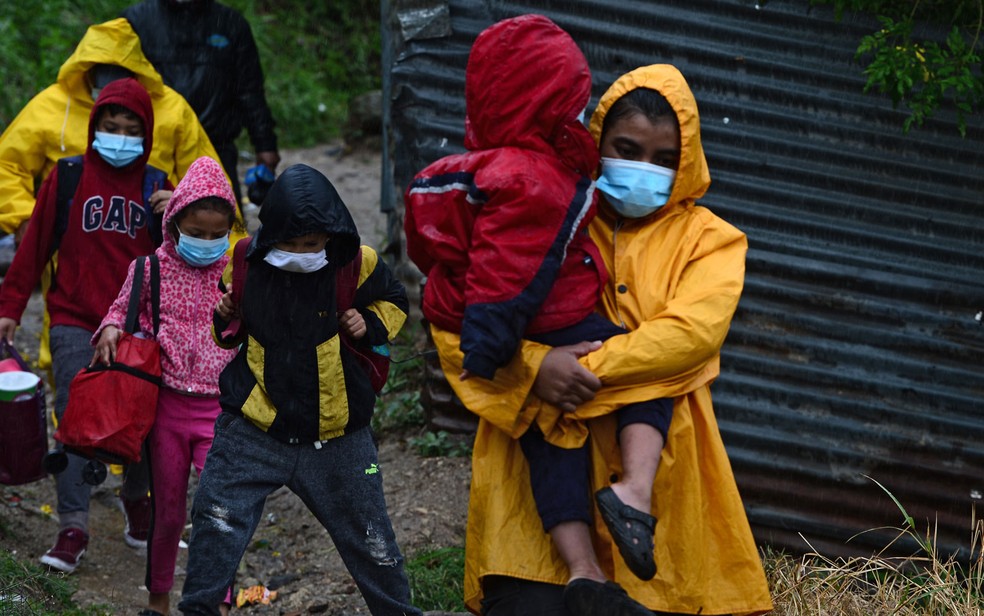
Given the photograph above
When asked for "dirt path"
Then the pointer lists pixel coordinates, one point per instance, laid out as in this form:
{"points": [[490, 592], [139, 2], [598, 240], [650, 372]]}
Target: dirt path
{"points": [[427, 497]]}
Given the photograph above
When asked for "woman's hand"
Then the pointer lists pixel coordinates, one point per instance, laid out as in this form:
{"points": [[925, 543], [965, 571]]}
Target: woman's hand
{"points": [[106, 347], [562, 381], [159, 200], [7, 328], [352, 323]]}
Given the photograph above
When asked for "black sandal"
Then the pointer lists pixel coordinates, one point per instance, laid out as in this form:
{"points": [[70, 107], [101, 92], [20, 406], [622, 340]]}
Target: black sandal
{"points": [[632, 530]]}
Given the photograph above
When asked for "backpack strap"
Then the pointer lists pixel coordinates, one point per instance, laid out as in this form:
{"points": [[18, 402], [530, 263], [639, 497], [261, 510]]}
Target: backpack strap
{"points": [[239, 267], [347, 282], [69, 174], [153, 180], [132, 324]]}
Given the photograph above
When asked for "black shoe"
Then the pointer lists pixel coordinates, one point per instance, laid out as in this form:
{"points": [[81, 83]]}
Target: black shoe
{"points": [[584, 597]]}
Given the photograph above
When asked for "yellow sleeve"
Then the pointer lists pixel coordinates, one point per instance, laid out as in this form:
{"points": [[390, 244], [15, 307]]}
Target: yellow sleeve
{"points": [[675, 345]]}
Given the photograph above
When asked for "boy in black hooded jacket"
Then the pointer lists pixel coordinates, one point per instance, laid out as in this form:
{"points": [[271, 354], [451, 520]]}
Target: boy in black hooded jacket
{"points": [[296, 401]]}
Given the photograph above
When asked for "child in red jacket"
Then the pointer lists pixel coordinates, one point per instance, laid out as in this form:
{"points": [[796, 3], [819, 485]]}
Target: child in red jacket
{"points": [[500, 233], [109, 223]]}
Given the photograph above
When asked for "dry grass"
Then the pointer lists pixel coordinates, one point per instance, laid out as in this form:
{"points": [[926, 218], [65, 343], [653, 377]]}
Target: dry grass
{"points": [[881, 585]]}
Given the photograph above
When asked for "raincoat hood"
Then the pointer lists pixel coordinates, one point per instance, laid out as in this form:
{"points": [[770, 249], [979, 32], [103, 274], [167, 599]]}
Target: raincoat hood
{"points": [[205, 178], [112, 42], [130, 94], [525, 86], [301, 201], [692, 177]]}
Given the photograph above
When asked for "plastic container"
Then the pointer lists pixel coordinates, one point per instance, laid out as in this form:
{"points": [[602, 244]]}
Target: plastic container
{"points": [[18, 385]]}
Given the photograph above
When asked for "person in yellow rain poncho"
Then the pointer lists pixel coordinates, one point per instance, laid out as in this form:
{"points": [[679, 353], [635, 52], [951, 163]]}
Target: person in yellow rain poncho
{"points": [[676, 274], [54, 125]]}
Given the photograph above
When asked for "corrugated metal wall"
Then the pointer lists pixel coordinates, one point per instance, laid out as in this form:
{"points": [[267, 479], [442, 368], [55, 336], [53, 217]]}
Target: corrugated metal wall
{"points": [[857, 350]]}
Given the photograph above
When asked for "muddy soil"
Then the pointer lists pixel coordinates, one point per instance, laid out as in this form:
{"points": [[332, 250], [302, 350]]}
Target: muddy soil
{"points": [[427, 497]]}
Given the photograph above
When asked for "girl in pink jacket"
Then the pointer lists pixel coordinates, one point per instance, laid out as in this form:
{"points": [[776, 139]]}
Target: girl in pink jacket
{"points": [[197, 222]]}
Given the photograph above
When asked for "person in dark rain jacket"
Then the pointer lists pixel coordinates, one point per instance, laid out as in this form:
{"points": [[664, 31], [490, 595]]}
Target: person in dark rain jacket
{"points": [[206, 51], [296, 402]]}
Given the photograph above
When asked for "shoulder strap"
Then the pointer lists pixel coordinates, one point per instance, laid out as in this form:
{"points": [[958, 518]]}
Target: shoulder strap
{"points": [[239, 266], [69, 174], [132, 324], [347, 282], [153, 180]]}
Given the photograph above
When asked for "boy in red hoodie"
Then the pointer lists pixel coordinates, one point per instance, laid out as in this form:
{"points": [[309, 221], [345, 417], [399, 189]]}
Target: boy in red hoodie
{"points": [[108, 225]]}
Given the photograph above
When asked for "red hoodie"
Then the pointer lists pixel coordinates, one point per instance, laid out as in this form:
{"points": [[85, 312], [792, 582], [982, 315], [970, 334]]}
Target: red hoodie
{"points": [[107, 228]]}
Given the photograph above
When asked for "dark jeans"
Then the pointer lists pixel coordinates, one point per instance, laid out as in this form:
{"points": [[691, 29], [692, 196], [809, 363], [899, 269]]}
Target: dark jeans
{"points": [[558, 476], [340, 483]]}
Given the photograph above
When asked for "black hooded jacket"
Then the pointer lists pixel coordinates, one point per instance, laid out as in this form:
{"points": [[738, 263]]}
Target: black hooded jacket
{"points": [[206, 51], [293, 378]]}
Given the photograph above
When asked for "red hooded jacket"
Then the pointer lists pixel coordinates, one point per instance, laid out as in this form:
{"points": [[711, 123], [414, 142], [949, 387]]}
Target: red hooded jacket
{"points": [[500, 231], [107, 228]]}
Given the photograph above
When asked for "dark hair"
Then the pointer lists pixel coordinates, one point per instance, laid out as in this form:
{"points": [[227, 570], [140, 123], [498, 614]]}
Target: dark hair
{"points": [[118, 109], [207, 204], [649, 103]]}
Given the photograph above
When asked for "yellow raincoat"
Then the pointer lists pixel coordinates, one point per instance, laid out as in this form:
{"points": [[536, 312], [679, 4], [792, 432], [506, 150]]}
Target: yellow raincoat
{"points": [[683, 268], [55, 124]]}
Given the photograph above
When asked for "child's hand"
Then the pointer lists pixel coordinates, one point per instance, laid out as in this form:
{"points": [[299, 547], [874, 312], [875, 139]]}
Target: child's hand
{"points": [[464, 376], [7, 328], [352, 324], [106, 347], [226, 309], [159, 200]]}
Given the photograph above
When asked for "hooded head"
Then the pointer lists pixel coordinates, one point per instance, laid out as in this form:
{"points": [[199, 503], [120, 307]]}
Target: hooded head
{"points": [[205, 178], [303, 201], [526, 85], [692, 175], [128, 93], [112, 43]]}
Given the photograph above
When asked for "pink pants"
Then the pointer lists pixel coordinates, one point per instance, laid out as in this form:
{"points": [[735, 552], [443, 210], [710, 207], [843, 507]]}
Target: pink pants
{"points": [[181, 436]]}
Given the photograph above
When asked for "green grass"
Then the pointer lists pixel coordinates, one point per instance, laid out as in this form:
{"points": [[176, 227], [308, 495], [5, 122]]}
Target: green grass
{"points": [[315, 56], [27, 589], [437, 579]]}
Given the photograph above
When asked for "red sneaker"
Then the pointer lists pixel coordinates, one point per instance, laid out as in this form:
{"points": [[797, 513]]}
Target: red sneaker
{"points": [[68, 550], [136, 515]]}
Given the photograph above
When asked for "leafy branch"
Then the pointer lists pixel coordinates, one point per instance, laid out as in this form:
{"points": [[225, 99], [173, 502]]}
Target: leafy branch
{"points": [[913, 69]]}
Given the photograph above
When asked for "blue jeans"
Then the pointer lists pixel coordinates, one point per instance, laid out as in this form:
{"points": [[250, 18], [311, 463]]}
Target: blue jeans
{"points": [[340, 483], [71, 351]]}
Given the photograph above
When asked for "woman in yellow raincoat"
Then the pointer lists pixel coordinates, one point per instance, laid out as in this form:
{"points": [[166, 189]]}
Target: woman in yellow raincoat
{"points": [[675, 278]]}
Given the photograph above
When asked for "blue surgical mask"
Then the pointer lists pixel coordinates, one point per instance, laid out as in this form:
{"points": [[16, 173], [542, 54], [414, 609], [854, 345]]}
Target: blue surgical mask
{"points": [[201, 253], [118, 150], [298, 262], [635, 189]]}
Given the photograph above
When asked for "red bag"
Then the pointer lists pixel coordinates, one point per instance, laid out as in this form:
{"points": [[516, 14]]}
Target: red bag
{"points": [[111, 408], [23, 432]]}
